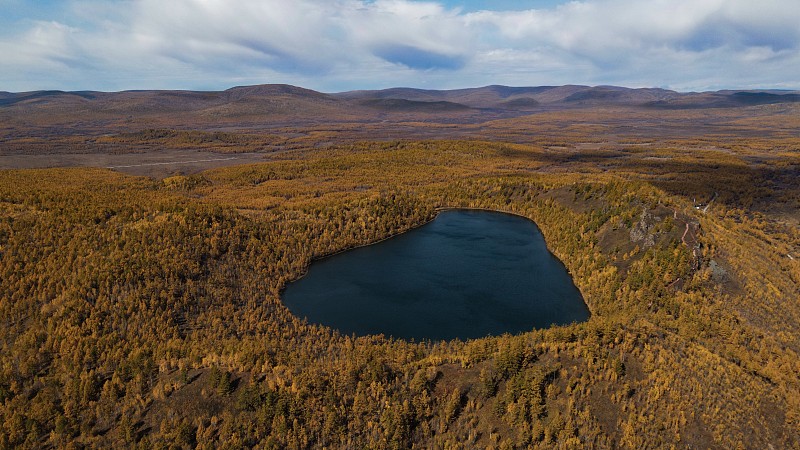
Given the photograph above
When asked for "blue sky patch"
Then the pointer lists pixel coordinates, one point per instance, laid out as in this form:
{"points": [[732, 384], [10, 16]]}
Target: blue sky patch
{"points": [[419, 59]]}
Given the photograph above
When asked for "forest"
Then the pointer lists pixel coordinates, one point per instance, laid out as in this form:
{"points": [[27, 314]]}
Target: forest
{"points": [[146, 313]]}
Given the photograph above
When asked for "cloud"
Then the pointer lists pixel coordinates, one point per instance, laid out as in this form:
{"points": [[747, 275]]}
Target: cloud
{"points": [[350, 44], [415, 58], [601, 29], [744, 25], [419, 35], [285, 36]]}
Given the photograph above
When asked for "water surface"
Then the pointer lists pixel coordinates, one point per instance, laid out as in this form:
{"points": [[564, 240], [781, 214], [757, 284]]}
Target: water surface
{"points": [[467, 274]]}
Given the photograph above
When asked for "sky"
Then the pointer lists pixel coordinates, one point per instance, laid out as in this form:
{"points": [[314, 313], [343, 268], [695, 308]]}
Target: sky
{"points": [[339, 45]]}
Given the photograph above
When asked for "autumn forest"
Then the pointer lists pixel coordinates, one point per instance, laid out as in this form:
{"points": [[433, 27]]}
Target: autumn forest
{"points": [[140, 306]]}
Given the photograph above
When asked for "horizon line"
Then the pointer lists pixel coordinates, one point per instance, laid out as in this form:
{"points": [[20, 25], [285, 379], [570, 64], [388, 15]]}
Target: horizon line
{"points": [[773, 89]]}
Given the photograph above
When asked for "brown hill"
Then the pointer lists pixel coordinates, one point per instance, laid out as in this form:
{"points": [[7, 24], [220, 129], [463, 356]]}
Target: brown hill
{"points": [[396, 104], [482, 97], [103, 112], [572, 96], [47, 113]]}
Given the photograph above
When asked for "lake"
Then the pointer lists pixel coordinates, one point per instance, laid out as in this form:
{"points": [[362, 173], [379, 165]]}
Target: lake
{"points": [[466, 274]]}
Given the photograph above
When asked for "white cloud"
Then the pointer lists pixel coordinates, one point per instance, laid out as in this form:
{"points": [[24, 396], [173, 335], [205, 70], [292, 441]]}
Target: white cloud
{"points": [[342, 44]]}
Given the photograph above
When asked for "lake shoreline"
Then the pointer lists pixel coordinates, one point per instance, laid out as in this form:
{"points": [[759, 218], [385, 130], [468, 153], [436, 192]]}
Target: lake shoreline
{"points": [[437, 284]]}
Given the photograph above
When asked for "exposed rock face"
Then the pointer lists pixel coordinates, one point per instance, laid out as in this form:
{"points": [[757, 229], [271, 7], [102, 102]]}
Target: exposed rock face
{"points": [[640, 232], [718, 273]]}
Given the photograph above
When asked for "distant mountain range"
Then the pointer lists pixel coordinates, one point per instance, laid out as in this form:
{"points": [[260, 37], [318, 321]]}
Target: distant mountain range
{"points": [[289, 104], [504, 97], [488, 97], [494, 96]]}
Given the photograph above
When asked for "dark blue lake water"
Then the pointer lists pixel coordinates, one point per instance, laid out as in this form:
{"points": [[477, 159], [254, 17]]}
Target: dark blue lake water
{"points": [[467, 274]]}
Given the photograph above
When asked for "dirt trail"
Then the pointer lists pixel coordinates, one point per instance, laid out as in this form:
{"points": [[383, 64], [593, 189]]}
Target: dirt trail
{"points": [[689, 237]]}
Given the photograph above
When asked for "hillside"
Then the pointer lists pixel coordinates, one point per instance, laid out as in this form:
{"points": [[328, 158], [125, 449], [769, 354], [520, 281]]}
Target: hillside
{"points": [[54, 113], [578, 96], [141, 304]]}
